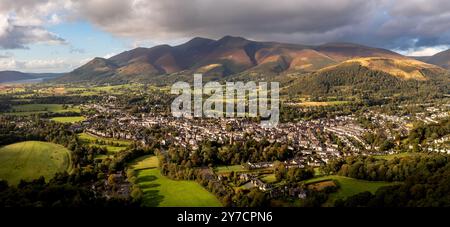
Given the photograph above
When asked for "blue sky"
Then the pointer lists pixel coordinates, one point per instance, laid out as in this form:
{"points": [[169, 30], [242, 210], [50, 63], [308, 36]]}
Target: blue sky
{"points": [[60, 35], [82, 43]]}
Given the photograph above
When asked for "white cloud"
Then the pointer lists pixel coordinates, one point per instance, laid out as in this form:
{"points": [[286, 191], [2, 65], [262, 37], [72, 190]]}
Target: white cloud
{"points": [[384, 23], [22, 22], [8, 64], [424, 51], [109, 55], [38, 65]]}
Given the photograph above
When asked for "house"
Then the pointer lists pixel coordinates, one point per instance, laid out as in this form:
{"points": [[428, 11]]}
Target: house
{"points": [[260, 184]]}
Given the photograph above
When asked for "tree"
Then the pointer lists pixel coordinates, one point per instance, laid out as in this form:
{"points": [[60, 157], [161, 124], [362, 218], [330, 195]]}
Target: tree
{"points": [[280, 170]]}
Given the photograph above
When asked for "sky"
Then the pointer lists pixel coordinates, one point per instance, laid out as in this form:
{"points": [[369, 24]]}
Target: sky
{"points": [[60, 35]]}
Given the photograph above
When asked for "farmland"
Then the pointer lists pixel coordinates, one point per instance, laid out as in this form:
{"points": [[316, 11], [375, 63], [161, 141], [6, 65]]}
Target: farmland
{"points": [[30, 160], [29, 109], [160, 191]]}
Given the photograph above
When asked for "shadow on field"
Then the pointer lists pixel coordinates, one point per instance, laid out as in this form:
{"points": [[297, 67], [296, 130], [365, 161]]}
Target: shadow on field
{"points": [[152, 198], [145, 179], [148, 185]]}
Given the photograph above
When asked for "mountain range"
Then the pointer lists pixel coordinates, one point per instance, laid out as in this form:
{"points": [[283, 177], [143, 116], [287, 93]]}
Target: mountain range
{"points": [[230, 56], [333, 68]]}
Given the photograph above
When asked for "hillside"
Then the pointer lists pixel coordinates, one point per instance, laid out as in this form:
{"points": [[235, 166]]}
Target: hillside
{"points": [[374, 76], [8, 76], [441, 59], [407, 69]]}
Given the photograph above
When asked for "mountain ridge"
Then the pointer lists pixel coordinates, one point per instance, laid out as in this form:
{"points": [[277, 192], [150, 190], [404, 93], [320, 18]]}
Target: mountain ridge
{"points": [[225, 57]]}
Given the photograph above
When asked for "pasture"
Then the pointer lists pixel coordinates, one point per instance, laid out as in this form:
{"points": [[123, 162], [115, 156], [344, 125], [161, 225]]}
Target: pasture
{"points": [[32, 159]]}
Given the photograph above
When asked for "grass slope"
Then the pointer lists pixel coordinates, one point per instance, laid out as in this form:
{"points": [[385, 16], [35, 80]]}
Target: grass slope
{"points": [[160, 191], [30, 160]]}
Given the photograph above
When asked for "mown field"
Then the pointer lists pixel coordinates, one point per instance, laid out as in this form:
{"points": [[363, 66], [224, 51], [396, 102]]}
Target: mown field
{"points": [[160, 191], [348, 186], [32, 159]]}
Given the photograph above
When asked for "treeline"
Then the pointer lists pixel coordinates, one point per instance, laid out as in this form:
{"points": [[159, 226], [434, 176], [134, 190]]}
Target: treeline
{"points": [[15, 129], [292, 175], [213, 153], [121, 159], [62, 191], [397, 169], [423, 132]]}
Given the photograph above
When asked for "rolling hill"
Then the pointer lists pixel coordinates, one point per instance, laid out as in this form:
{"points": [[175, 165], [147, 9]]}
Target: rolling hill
{"points": [[441, 59], [375, 76], [7, 76]]}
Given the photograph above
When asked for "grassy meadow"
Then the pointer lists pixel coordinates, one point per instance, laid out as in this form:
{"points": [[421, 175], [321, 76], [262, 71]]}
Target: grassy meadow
{"points": [[32, 159]]}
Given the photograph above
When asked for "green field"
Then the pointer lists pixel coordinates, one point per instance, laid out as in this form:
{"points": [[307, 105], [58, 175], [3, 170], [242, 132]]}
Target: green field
{"points": [[160, 191], [112, 145], [269, 178], [229, 169], [392, 156], [30, 160], [29, 109], [349, 186], [68, 119]]}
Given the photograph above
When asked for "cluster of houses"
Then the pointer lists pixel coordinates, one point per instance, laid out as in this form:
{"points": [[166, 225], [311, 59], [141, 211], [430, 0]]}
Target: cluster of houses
{"points": [[321, 139]]}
